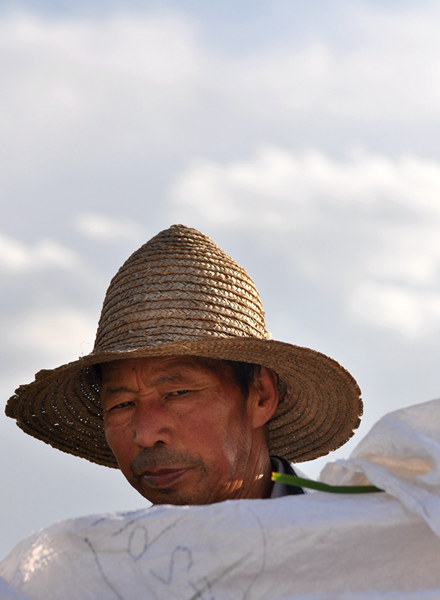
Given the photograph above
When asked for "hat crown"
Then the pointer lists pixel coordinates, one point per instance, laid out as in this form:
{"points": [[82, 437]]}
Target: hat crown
{"points": [[178, 286]]}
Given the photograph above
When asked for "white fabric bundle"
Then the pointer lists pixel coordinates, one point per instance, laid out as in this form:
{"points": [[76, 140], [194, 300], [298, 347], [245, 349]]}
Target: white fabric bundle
{"points": [[319, 546]]}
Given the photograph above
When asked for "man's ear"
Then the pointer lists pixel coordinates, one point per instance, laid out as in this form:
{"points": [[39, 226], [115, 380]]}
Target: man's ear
{"points": [[264, 394]]}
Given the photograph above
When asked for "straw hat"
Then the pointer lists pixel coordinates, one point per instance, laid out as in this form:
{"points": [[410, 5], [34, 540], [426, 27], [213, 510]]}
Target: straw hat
{"points": [[180, 294]]}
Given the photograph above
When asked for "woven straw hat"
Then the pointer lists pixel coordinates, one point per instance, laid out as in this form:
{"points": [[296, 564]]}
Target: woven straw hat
{"points": [[180, 294]]}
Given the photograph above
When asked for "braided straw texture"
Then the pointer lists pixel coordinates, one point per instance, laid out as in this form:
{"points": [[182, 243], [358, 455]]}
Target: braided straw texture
{"points": [[180, 294], [179, 285]]}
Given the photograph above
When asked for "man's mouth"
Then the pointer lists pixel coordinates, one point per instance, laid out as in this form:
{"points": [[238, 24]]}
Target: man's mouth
{"points": [[162, 478]]}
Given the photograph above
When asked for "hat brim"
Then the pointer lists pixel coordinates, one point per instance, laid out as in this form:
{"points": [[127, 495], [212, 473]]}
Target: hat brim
{"points": [[319, 412]]}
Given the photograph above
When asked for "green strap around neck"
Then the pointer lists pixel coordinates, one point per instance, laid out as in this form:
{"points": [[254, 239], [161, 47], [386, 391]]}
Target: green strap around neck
{"points": [[324, 487]]}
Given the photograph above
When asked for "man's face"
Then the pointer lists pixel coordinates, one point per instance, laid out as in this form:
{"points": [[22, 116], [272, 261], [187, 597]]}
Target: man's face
{"points": [[180, 429]]}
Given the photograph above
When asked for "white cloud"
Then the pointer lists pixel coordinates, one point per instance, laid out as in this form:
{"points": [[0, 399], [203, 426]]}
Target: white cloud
{"points": [[368, 226], [382, 65], [411, 313], [122, 89], [157, 48], [62, 332], [16, 255], [408, 253], [104, 228], [77, 90], [275, 180]]}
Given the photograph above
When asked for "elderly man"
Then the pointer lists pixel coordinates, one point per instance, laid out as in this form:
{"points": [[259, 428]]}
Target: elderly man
{"points": [[184, 390]]}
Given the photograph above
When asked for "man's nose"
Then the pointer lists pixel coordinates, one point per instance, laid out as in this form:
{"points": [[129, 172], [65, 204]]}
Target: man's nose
{"points": [[152, 423]]}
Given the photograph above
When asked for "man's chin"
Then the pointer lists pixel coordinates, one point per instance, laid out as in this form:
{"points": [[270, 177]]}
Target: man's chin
{"points": [[181, 496], [175, 497]]}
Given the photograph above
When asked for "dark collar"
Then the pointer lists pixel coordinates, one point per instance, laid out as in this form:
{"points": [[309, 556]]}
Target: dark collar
{"points": [[281, 465]]}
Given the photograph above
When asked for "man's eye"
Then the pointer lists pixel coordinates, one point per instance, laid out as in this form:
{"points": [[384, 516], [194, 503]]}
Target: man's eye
{"points": [[178, 393], [121, 405]]}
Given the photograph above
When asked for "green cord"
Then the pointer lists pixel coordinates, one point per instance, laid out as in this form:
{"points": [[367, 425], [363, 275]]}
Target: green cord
{"points": [[324, 487]]}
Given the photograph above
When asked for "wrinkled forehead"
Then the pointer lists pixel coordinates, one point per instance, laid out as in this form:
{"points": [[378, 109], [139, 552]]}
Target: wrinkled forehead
{"points": [[121, 369]]}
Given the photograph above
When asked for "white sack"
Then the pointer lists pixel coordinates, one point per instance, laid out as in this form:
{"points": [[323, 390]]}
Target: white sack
{"points": [[317, 547]]}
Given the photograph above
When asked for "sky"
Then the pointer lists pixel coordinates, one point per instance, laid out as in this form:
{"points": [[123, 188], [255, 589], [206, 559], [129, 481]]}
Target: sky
{"points": [[301, 137]]}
